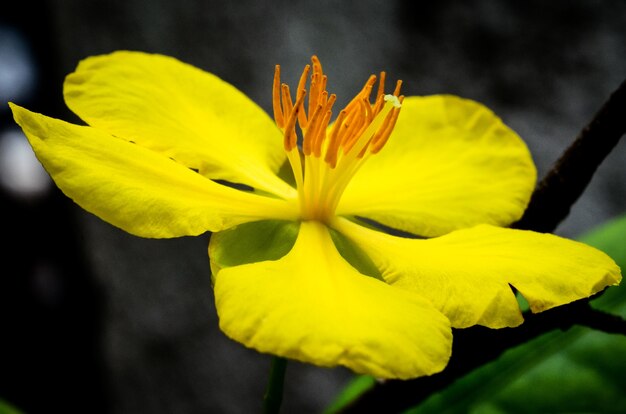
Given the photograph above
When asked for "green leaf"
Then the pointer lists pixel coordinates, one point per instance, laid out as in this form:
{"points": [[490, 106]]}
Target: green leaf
{"points": [[6, 408], [354, 388], [580, 370]]}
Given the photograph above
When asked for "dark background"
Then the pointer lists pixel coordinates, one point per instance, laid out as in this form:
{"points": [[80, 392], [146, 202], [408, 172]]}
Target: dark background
{"points": [[94, 320]]}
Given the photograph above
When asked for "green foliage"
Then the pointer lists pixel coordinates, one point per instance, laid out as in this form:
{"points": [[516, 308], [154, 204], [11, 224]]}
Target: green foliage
{"points": [[355, 388], [6, 408], [580, 370]]}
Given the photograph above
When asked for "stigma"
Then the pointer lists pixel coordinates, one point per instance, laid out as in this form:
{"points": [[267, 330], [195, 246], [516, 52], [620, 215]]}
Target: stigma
{"points": [[324, 156]]}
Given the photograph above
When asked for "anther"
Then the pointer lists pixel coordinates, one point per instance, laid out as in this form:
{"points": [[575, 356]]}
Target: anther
{"points": [[333, 142], [383, 134], [302, 119], [278, 112], [381, 85], [291, 139], [309, 135], [396, 92], [286, 98], [321, 134]]}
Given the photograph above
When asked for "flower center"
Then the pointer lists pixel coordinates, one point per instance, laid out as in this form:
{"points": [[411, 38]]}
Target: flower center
{"points": [[330, 154]]}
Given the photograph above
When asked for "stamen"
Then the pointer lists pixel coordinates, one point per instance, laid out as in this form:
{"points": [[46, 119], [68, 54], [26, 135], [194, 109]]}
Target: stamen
{"points": [[380, 101], [317, 65], [379, 141], [291, 139], [333, 143], [330, 102], [361, 129], [286, 100], [352, 137], [381, 85], [364, 93], [301, 84], [321, 134], [396, 92], [310, 131], [350, 125], [278, 112], [318, 83], [323, 85]]}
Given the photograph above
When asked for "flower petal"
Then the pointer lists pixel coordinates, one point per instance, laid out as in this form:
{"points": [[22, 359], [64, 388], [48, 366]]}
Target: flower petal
{"points": [[466, 274], [181, 111], [311, 305], [136, 189], [449, 164]]}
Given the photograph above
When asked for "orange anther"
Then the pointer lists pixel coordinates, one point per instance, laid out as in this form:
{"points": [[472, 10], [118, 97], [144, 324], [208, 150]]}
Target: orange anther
{"points": [[321, 134], [309, 135], [381, 85], [302, 116], [333, 142], [291, 139], [303, 77], [315, 92], [396, 92], [331, 101], [286, 98], [317, 65], [324, 82], [383, 134], [367, 89], [358, 127], [278, 112], [380, 101], [351, 119]]}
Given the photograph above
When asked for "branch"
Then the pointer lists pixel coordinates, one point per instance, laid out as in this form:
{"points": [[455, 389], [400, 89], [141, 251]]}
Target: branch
{"points": [[602, 321], [570, 175], [550, 204]]}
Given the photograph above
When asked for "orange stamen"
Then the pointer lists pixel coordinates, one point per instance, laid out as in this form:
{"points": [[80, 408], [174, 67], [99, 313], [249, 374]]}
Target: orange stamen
{"points": [[383, 134], [396, 92], [321, 134], [286, 100], [381, 85], [307, 142], [362, 123], [301, 84], [291, 139], [333, 142], [362, 128], [278, 112], [380, 101]]}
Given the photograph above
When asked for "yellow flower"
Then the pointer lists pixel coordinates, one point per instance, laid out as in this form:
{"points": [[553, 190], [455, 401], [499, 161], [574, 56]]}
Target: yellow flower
{"points": [[166, 141]]}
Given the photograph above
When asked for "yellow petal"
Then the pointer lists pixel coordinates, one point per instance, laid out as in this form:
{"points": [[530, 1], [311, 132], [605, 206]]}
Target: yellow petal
{"points": [[180, 111], [449, 164], [137, 189], [466, 274], [312, 306]]}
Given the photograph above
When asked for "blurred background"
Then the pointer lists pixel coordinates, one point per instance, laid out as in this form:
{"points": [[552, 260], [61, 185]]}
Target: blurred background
{"points": [[94, 320]]}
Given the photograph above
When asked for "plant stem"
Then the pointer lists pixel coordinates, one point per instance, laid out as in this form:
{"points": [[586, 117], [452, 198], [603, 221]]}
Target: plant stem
{"points": [[568, 178], [274, 392]]}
